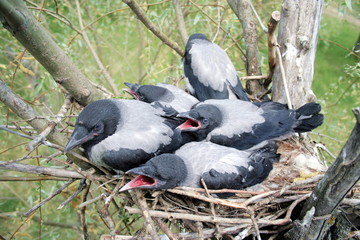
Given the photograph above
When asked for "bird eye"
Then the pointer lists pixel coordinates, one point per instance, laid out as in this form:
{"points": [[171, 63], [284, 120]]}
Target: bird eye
{"points": [[205, 121], [98, 127]]}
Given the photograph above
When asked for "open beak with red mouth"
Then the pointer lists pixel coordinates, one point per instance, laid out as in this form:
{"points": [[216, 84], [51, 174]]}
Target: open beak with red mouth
{"points": [[131, 90], [190, 124], [141, 180]]}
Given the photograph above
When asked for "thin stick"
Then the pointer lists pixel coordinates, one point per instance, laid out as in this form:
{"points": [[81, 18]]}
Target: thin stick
{"points": [[274, 19], [93, 52], [152, 27], [193, 217], [81, 187], [41, 137], [139, 198], [58, 191], [283, 77], [204, 198], [30, 179], [165, 229], [257, 17], [95, 199], [82, 214], [40, 170], [180, 21]]}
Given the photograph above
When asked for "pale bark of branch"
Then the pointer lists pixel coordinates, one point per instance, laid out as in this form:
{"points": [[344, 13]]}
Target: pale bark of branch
{"points": [[243, 11], [298, 34], [27, 113], [104, 71], [56, 172], [180, 21], [274, 19], [342, 175], [152, 27], [35, 38]]}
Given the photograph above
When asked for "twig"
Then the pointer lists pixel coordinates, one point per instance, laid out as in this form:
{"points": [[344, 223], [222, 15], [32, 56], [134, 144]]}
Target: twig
{"points": [[40, 170], [283, 77], [180, 21], [152, 27], [28, 179], [219, 21], [41, 137], [138, 198], [207, 199], [274, 19], [93, 52], [165, 229], [58, 191], [81, 187], [95, 199], [193, 217], [223, 29], [82, 214], [255, 225], [257, 17]]}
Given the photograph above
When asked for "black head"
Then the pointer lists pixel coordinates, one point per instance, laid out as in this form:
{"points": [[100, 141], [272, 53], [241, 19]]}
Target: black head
{"points": [[165, 171], [149, 93], [191, 39], [96, 122], [201, 120]]}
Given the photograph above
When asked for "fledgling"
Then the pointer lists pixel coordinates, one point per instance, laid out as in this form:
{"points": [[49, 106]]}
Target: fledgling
{"points": [[166, 94], [220, 167], [209, 72], [242, 124], [122, 134]]}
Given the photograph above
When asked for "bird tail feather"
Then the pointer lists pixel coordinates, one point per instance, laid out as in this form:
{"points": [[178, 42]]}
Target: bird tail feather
{"points": [[309, 117]]}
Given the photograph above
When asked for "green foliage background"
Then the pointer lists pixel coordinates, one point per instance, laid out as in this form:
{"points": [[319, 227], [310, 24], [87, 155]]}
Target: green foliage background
{"points": [[132, 54]]}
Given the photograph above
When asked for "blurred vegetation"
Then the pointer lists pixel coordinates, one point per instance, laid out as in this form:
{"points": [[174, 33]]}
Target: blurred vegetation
{"points": [[131, 53]]}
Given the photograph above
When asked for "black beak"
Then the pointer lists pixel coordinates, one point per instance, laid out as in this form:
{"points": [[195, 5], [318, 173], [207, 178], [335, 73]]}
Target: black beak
{"points": [[79, 136]]}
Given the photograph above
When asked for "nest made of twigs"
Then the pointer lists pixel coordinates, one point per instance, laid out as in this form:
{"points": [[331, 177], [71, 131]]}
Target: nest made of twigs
{"points": [[268, 208]]}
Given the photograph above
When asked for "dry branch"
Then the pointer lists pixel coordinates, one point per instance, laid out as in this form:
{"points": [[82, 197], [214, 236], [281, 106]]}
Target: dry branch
{"points": [[56, 172], [272, 42], [180, 21], [57, 192], [27, 113], [243, 10], [152, 27], [30, 33], [93, 52], [297, 38], [342, 175]]}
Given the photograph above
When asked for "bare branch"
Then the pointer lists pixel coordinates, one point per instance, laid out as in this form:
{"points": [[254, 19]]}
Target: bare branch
{"points": [[41, 137], [57, 192], [56, 172], [93, 52], [24, 111], [274, 19], [152, 27], [342, 175], [138, 198], [180, 21], [26, 29], [242, 10]]}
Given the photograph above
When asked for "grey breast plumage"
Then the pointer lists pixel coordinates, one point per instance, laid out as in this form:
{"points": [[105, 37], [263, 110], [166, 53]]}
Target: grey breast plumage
{"points": [[242, 124], [219, 166], [138, 133]]}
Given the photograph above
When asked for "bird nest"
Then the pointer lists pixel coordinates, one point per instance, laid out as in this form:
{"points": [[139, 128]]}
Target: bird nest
{"points": [[265, 209]]}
